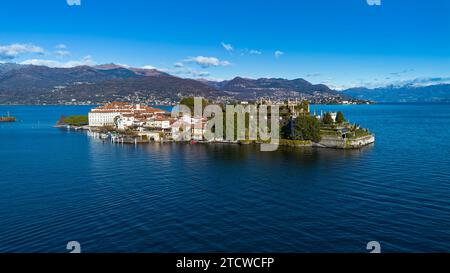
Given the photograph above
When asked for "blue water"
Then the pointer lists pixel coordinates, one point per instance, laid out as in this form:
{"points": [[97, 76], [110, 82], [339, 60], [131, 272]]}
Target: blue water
{"points": [[57, 186]]}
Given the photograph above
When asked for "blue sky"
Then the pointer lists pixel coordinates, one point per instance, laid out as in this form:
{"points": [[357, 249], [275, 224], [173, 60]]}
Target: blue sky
{"points": [[341, 43]]}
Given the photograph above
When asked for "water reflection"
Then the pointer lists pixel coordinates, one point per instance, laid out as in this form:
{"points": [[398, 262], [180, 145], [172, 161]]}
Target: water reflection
{"points": [[237, 153]]}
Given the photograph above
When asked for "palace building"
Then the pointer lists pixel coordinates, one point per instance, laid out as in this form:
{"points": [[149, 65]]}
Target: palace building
{"points": [[108, 114]]}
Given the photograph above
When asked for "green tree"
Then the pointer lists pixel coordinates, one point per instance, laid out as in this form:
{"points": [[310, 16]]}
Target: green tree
{"points": [[76, 120], [304, 127], [327, 119], [189, 102], [303, 107], [340, 117]]}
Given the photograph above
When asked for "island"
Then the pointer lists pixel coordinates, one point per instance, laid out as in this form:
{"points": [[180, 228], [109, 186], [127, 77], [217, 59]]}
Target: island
{"points": [[8, 118], [73, 122], [123, 122]]}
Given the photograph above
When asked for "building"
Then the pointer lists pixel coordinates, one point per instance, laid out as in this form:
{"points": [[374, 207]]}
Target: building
{"points": [[108, 114], [124, 121], [150, 136], [196, 125], [159, 122], [333, 116], [322, 114]]}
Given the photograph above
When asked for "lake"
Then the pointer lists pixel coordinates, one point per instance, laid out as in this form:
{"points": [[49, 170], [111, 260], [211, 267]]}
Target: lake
{"points": [[58, 186]]}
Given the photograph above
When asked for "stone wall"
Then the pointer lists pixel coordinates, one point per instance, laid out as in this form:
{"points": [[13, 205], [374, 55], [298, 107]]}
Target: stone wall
{"points": [[341, 143]]}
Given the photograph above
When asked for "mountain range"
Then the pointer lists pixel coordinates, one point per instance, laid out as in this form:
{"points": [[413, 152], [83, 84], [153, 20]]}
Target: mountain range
{"points": [[244, 87], [29, 84], [403, 93]]}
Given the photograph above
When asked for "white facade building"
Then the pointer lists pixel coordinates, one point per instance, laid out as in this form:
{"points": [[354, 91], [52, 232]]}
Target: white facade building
{"points": [[196, 125], [158, 123], [125, 120], [99, 119], [109, 114], [333, 116]]}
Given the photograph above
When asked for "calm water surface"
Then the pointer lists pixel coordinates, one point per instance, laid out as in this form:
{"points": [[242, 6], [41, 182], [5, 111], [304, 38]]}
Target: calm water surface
{"points": [[57, 186]]}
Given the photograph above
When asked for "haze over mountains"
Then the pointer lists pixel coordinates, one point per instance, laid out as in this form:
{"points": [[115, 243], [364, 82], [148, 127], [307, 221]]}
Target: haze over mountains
{"points": [[29, 84], [403, 93]]}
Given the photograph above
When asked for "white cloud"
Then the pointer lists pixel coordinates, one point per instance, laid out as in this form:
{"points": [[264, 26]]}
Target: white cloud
{"points": [[87, 60], [62, 53], [148, 67], [74, 2], [178, 64], [228, 47], [165, 70], [255, 52], [214, 79], [185, 71], [393, 83], [225, 63], [424, 81], [61, 46], [188, 72], [123, 65], [52, 63], [207, 61], [374, 2], [41, 62], [12, 51], [197, 74], [278, 54], [341, 87]]}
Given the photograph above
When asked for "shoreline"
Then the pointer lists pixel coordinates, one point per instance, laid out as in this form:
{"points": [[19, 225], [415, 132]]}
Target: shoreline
{"points": [[132, 123], [336, 104], [326, 143]]}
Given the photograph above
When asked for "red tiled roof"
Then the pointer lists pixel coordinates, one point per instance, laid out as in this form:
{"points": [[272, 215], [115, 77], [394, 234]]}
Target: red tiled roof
{"points": [[161, 119], [123, 107]]}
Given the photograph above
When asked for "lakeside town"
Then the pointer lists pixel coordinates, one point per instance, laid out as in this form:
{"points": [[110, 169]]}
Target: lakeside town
{"points": [[123, 122], [316, 98]]}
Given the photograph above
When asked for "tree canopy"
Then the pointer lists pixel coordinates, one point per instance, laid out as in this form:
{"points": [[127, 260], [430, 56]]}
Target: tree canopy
{"points": [[76, 120], [327, 119], [304, 127], [189, 102], [340, 117]]}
